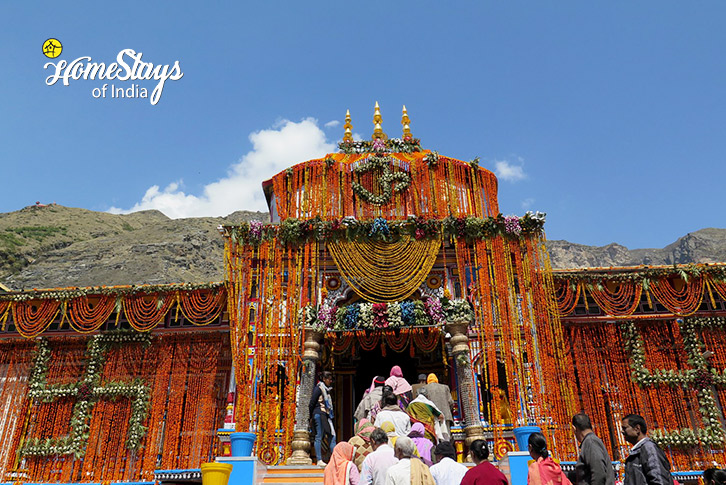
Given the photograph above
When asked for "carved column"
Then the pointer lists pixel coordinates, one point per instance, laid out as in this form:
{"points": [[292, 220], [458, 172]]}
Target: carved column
{"points": [[301, 437], [467, 384]]}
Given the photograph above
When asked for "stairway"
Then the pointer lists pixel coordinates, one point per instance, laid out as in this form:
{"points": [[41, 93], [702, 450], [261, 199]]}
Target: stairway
{"points": [[289, 475]]}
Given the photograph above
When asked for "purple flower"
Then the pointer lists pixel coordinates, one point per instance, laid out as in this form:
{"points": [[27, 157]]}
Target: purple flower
{"points": [[379, 145], [256, 229], [434, 309], [512, 225], [326, 315]]}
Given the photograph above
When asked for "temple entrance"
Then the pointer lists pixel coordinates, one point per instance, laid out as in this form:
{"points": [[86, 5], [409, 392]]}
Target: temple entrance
{"points": [[354, 372]]}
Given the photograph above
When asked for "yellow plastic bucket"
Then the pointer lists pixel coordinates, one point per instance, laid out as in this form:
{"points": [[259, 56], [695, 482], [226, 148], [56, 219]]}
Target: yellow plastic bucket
{"points": [[215, 473]]}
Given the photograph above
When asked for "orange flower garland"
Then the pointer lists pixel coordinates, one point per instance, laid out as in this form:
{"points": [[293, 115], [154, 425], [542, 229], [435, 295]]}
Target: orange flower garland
{"points": [[87, 316], [322, 187], [197, 373], [683, 302], [144, 312], [202, 306], [31, 318], [623, 301]]}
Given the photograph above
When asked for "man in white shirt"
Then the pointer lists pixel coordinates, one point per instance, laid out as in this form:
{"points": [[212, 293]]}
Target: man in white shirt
{"points": [[409, 469], [393, 413], [447, 471], [374, 468]]}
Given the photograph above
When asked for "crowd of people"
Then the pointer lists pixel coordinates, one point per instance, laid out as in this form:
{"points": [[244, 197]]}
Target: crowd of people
{"points": [[403, 437]]}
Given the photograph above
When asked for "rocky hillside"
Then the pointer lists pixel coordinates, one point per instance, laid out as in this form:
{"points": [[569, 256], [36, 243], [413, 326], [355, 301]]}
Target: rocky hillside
{"points": [[704, 246], [55, 246]]}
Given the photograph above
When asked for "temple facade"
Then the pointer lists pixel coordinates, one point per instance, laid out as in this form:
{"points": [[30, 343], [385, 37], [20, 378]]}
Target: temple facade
{"points": [[382, 254]]}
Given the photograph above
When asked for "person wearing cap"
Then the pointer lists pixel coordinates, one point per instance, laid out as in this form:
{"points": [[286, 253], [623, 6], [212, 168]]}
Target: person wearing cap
{"points": [[446, 470], [421, 382]]}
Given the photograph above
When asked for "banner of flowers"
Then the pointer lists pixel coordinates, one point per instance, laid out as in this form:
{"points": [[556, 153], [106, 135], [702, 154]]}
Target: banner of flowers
{"points": [[699, 377], [87, 392], [391, 145], [87, 309], [436, 187], [375, 316], [390, 182], [618, 291], [416, 339], [296, 232]]}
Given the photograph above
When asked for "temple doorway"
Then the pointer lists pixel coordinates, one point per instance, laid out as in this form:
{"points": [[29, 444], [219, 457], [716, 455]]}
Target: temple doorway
{"points": [[354, 371]]}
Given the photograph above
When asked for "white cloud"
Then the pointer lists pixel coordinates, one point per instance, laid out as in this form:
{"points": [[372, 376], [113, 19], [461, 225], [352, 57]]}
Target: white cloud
{"points": [[273, 150], [332, 124], [527, 203], [509, 171]]}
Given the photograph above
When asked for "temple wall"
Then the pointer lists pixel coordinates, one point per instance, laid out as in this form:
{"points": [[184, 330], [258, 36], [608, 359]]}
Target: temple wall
{"points": [[418, 185], [181, 378]]}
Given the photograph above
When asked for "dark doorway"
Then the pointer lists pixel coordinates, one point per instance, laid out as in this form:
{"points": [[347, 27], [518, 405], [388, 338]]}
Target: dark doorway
{"points": [[355, 371], [372, 364]]}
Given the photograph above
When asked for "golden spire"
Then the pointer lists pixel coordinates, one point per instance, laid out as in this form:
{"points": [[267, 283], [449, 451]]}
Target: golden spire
{"points": [[405, 121], [377, 120], [348, 135]]}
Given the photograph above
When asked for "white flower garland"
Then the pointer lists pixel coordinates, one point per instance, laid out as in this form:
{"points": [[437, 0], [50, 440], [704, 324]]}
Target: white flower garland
{"points": [[698, 377], [88, 391]]}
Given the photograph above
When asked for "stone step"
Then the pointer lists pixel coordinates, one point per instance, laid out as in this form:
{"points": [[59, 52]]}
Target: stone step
{"points": [[284, 474]]}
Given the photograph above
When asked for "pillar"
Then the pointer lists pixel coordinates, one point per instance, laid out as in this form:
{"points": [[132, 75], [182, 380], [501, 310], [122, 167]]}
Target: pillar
{"points": [[301, 436], [467, 384]]}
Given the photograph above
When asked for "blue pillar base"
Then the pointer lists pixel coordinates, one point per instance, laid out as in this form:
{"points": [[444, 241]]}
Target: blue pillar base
{"points": [[247, 470], [515, 467]]}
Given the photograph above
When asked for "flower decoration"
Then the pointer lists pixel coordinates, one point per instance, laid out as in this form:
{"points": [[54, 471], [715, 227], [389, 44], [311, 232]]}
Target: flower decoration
{"points": [[512, 225], [256, 230], [699, 378], [87, 392], [390, 182], [370, 316], [431, 158], [380, 227], [294, 232], [392, 145]]}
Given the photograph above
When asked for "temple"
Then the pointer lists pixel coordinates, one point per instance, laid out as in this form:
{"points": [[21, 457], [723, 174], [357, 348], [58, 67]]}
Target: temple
{"points": [[382, 254]]}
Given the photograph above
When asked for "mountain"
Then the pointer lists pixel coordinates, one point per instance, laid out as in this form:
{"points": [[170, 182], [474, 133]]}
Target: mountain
{"points": [[703, 246], [54, 246]]}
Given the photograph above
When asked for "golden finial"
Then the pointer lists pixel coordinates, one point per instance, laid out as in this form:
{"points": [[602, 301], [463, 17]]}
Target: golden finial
{"points": [[405, 121], [348, 135], [377, 120]]}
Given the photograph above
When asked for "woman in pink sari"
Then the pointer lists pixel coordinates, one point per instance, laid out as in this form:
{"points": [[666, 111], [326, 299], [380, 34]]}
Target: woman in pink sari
{"points": [[400, 385], [544, 470]]}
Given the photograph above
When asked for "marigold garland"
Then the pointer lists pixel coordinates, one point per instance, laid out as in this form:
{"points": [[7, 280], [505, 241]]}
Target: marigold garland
{"points": [[87, 316], [257, 274], [106, 456], [693, 281], [32, 317], [88, 309], [385, 272]]}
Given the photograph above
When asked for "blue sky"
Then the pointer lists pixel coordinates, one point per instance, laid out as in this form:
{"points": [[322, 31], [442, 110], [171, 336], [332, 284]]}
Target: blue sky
{"points": [[609, 116]]}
